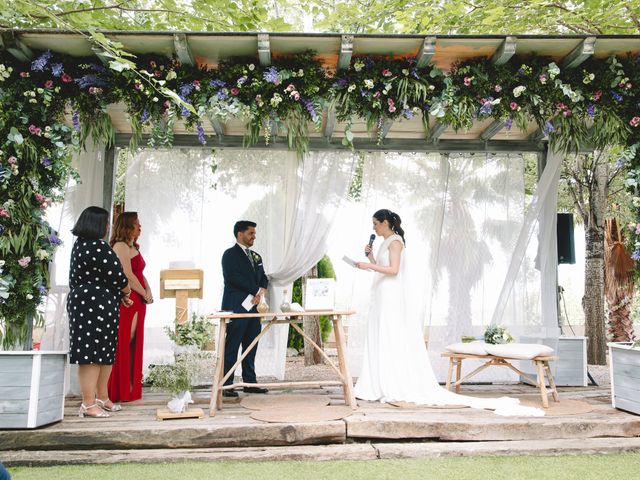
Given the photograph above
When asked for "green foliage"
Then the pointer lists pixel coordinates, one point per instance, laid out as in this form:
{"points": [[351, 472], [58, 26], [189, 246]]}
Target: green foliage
{"points": [[174, 378], [196, 332], [496, 334], [325, 270]]}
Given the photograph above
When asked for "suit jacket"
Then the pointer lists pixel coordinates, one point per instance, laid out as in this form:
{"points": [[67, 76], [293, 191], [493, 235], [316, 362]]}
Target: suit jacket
{"points": [[241, 278]]}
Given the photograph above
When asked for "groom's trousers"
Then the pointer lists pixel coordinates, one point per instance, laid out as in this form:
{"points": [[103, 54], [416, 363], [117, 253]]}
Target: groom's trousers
{"points": [[241, 331]]}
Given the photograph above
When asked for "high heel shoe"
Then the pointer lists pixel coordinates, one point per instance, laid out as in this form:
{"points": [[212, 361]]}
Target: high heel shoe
{"points": [[84, 411], [115, 407]]}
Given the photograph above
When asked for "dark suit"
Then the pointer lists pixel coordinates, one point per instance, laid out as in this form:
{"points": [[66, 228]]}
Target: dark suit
{"points": [[241, 278]]}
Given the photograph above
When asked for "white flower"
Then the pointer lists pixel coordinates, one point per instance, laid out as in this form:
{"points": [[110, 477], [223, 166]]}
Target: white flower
{"points": [[301, 73], [171, 75], [351, 88], [275, 100], [359, 65], [554, 71], [29, 296], [519, 90], [42, 254], [252, 67], [368, 84]]}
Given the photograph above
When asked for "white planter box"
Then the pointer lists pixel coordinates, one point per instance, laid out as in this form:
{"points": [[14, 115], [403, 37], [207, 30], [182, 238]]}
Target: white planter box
{"points": [[31, 388], [570, 370], [624, 363]]}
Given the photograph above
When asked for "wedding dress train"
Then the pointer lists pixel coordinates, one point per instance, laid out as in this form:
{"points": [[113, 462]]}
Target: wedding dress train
{"points": [[396, 365]]}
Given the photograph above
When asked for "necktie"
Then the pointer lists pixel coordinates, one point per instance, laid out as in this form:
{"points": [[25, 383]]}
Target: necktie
{"points": [[248, 252]]}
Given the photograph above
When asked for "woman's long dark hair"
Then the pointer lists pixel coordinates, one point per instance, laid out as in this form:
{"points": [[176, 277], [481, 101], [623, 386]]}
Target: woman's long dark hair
{"points": [[394, 221], [91, 224]]}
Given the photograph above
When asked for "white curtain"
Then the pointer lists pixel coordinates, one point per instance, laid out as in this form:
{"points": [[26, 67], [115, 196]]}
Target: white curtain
{"points": [[188, 201], [469, 232]]}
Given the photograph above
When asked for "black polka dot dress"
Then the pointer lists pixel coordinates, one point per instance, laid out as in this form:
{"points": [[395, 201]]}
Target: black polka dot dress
{"points": [[95, 280]]}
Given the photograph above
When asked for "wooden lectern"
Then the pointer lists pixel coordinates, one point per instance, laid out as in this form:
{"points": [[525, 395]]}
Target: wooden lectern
{"points": [[181, 283]]}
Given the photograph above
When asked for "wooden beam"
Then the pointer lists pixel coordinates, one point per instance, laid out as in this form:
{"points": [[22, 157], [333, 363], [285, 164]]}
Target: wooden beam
{"points": [[435, 132], [506, 50], [10, 42], [109, 179], [346, 51], [264, 49], [361, 143], [579, 54], [426, 52], [330, 123], [183, 51], [492, 129]]}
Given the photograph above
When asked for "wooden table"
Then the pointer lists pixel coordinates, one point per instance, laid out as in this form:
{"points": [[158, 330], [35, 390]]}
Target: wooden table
{"points": [[269, 319], [541, 364]]}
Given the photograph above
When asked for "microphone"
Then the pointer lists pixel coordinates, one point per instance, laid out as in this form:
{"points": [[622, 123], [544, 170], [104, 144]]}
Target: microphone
{"points": [[371, 240]]}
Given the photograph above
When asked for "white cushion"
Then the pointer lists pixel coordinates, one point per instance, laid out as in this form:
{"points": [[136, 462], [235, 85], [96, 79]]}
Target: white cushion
{"points": [[522, 351], [471, 348]]}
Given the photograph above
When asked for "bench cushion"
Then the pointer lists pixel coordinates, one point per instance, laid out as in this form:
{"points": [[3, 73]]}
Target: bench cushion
{"points": [[523, 351], [471, 348]]}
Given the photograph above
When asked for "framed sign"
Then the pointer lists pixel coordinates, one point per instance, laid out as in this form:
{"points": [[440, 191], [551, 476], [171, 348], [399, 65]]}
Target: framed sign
{"points": [[319, 294]]}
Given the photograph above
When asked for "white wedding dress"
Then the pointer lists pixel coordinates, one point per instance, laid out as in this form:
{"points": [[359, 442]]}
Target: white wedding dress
{"points": [[396, 364]]}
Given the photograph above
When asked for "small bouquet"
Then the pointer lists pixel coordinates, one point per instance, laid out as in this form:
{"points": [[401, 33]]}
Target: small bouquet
{"points": [[496, 334]]}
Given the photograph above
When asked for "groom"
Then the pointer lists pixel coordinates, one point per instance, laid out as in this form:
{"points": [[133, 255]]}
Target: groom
{"points": [[243, 275]]}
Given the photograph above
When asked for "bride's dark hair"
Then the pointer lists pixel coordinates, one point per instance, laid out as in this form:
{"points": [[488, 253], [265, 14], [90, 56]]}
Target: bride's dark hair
{"points": [[393, 219]]}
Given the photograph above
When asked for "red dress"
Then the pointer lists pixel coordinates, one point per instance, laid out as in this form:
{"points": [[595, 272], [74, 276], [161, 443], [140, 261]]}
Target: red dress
{"points": [[125, 383]]}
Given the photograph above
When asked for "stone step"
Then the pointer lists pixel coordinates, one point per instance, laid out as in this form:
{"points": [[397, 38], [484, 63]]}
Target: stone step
{"points": [[353, 451]]}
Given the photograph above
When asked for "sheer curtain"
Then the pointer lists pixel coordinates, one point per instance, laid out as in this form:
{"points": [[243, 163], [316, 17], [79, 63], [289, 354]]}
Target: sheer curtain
{"points": [[478, 253], [188, 201]]}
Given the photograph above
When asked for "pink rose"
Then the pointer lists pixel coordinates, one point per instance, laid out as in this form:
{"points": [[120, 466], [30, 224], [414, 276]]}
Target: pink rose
{"points": [[12, 160], [513, 106], [467, 81], [635, 121], [386, 72], [24, 74], [498, 88], [290, 88], [234, 91], [66, 78], [596, 95], [4, 213], [24, 261], [48, 84], [296, 96]]}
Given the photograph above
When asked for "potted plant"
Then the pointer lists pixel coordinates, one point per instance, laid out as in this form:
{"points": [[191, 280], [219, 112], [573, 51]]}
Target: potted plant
{"points": [[194, 343], [624, 364], [175, 379]]}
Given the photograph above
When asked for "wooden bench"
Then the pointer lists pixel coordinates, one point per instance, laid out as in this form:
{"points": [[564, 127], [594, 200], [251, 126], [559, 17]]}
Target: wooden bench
{"points": [[541, 365]]}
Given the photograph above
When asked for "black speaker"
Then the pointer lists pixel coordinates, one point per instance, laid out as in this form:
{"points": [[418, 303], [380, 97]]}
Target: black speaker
{"points": [[566, 247]]}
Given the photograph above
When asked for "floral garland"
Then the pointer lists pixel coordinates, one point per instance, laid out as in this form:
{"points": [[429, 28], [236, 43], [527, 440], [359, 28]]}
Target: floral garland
{"points": [[598, 103]]}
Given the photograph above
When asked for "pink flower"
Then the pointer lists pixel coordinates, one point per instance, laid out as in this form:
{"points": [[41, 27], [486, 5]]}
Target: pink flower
{"points": [[259, 100], [638, 229], [296, 96], [24, 74], [376, 95], [95, 90], [24, 261], [12, 160], [498, 88], [467, 81], [157, 73], [33, 130], [66, 78], [543, 79], [632, 226], [4, 213], [196, 84], [137, 85], [567, 112], [392, 106], [386, 72], [635, 121], [596, 95], [48, 84], [290, 88], [513, 106], [234, 91]]}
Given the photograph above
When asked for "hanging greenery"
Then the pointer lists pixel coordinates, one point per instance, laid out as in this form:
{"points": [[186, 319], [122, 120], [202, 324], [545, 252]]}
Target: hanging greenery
{"points": [[54, 103]]}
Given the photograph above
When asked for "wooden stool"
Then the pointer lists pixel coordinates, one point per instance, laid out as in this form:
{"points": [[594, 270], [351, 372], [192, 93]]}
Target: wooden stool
{"points": [[541, 364]]}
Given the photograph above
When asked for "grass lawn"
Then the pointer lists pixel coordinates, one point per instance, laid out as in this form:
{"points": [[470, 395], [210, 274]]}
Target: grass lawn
{"points": [[596, 467]]}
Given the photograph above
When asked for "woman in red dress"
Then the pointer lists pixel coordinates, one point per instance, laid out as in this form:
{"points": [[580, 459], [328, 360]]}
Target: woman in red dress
{"points": [[125, 383]]}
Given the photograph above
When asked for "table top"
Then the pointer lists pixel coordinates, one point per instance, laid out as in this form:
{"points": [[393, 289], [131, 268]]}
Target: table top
{"points": [[308, 313]]}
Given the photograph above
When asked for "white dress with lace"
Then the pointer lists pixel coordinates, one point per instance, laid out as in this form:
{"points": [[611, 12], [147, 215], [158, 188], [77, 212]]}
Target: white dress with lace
{"points": [[396, 365]]}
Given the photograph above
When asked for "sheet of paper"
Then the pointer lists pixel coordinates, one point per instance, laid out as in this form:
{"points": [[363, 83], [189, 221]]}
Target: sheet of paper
{"points": [[349, 261], [247, 305]]}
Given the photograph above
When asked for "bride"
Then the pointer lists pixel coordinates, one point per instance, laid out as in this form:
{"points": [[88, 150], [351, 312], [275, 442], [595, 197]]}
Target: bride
{"points": [[396, 364]]}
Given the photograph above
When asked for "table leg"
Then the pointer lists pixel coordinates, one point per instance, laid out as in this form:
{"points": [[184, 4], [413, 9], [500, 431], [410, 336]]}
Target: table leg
{"points": [[216, 392], [552, 382], [541, 383], [347, 383], [458, 374], [450, 373]]}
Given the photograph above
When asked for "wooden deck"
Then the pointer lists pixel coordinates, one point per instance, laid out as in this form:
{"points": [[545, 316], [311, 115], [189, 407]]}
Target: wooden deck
{"points": [[373, 431]]}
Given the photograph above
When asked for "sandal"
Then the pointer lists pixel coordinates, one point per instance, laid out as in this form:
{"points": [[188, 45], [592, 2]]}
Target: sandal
{"points": [[115, 407], [84, 411]]}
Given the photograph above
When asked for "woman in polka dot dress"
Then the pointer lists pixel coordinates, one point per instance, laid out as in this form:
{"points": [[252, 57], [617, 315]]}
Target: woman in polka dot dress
{"points": [[97, 287]]}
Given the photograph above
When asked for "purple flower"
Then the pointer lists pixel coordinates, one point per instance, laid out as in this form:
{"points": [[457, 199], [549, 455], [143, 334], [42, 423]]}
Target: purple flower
{"points": [[308, 104], [200, 134], [548, 128], [591, 110], [616, 96], [341, 82], [636, 255], [619, 163], [221, 95], [242, 80], [414, 73], [486, 107], [271, 75], [53, 239], [46, 161], [185, 90], [40, 63], [508, 123], [144, 116], [368, 62], [2, 227], [217, 83], [42, 289], [408, 114], [97, 67], [75, 120], [57, 69], [184, 111], [90, 81]]}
